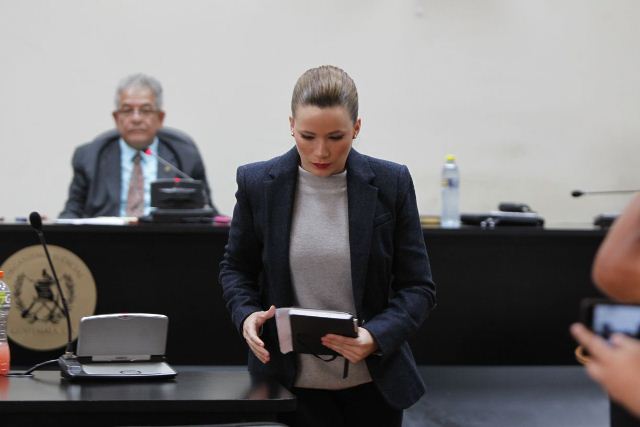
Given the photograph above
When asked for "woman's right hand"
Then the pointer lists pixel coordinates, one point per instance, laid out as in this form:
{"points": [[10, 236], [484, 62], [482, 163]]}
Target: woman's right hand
{"points": [[251, 330]]}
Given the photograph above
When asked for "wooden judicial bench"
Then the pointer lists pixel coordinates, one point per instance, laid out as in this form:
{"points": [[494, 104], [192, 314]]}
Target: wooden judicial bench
{"points": [[505, 295]]}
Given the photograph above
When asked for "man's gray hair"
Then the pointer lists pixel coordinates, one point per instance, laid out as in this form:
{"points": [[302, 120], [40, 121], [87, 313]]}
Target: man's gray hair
{"points": [[140, 81]]}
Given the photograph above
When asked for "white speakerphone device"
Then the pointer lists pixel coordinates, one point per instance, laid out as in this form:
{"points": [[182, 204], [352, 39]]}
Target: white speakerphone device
{"points": [[119, 346]]}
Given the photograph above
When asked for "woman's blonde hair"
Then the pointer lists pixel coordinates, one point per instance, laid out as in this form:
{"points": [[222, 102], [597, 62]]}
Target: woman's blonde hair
{"points": [[326, 86]]}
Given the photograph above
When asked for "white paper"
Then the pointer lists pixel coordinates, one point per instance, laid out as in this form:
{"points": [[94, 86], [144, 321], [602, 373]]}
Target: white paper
{"points": [[101, 220], [312, 312], [284, 329]]}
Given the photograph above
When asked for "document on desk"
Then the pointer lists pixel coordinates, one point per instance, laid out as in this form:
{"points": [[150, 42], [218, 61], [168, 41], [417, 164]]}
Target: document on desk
{"points": [[101, 220]]}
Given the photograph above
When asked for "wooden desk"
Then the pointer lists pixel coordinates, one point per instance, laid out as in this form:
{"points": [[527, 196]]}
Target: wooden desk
{"points": [[196, 396]]}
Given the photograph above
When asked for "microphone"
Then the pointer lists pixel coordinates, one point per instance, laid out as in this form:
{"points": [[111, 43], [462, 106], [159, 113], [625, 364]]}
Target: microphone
{"points": [[36, 223], [148, 152], [580, 193], [173, 167]]}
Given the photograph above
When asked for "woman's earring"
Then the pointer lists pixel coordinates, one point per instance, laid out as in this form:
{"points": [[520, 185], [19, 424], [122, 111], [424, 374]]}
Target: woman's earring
{"points": [[291, 132]]}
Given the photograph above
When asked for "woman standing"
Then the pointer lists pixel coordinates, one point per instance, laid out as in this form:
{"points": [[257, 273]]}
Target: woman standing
{"points": [[325, 227]]}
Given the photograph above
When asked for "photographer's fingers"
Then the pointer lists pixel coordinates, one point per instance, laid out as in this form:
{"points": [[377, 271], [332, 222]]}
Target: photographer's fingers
{"points": [[624, 341], [595, 345]]}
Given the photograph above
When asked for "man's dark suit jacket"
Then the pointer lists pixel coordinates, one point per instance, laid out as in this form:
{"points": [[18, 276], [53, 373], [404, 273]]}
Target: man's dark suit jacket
{"points": [[95, 187], [391, 277]]}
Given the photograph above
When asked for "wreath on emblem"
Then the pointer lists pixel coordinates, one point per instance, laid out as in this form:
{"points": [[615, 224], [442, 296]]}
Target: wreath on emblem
{"points": [[46, 306]]}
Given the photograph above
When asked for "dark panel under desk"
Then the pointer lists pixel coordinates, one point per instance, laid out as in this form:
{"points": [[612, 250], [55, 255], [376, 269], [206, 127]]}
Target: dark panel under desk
{"points": [[505, 296], [164, 269]]}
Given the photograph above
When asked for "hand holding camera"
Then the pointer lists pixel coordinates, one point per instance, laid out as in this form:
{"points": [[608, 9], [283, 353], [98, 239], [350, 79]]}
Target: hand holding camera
{"points": [[613, 357]]}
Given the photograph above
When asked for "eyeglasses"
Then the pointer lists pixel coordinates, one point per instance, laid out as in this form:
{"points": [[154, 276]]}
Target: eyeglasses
{"points": [[144, 112]]}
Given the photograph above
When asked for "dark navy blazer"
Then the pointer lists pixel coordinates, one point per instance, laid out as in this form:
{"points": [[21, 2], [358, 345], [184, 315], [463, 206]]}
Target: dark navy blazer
{"points": [[392, 285], [95, 187]]}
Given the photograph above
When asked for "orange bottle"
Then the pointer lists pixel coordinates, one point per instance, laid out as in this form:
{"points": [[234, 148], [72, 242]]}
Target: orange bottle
{"points": [[5, 305]]}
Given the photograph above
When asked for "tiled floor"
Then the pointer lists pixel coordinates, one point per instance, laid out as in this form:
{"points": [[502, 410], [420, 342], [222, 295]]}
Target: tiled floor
{"points": [[504, 396]]}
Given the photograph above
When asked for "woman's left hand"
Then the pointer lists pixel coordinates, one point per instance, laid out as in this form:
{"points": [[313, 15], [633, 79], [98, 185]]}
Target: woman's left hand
{"points": [[352, 349]]}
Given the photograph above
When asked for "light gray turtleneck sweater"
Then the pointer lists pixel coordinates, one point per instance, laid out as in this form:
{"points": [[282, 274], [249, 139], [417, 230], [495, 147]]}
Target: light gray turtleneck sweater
{"points": [[320, 263]]}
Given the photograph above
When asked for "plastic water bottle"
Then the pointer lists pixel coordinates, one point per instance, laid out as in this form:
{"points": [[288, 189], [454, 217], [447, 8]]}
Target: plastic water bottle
{"points": [[5, 305], [450, 217]]}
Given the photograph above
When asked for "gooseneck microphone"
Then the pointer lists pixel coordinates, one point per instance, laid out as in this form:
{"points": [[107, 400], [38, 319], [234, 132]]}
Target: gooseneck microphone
{"points": [[579, 193], [148, 152], [173, 167], [36, 222]]}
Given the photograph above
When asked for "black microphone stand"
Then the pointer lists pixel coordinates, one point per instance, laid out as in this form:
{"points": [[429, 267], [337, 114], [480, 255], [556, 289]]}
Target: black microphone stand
{"points": [[36, 222]]}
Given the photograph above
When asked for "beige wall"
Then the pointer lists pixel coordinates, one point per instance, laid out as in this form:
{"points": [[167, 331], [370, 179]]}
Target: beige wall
{"points": [[536, 98]]}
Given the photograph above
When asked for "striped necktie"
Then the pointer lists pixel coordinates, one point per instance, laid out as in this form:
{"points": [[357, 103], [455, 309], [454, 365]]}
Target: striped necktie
{"points": [[135, 197]]}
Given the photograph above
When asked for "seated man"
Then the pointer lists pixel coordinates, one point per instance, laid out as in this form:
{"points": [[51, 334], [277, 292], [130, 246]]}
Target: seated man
{"points": [[111, 177]]}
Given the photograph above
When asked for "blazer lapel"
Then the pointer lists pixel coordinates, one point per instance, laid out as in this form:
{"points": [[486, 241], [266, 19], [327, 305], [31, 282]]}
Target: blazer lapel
{"points": [[279, 194], [362, 198], [111, 173]]}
